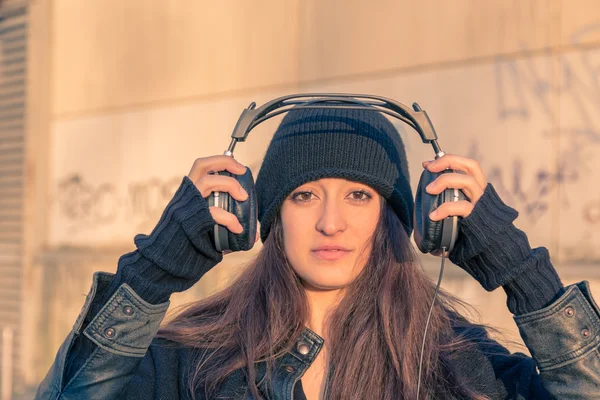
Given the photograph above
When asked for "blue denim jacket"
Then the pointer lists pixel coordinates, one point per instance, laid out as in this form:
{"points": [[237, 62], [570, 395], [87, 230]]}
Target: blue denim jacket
{"points": [[127, 362]]}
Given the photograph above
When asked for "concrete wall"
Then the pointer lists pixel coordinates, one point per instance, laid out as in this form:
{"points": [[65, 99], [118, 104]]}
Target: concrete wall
{"points": [[129, 93]]}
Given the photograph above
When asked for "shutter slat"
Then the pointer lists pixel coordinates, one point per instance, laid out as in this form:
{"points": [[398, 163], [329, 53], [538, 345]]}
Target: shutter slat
{"points": [[10, 116], [13, 81], [18, 45], [10, 161], [11, 182], [12, 215], [11, 300], [13, 25], [10, 237], [9, 101], [13, 84], [6, 247], [10, 135], [12, 145], [13, 169], [13, 193], [9, 204], [11, 125], [15, 37], [11, 267], [14, 59], [11, 94], [10, 229], [13, 107]]}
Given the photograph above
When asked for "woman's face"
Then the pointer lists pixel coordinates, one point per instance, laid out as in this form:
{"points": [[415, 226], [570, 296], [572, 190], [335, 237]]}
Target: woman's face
{"points": [[329, 212]]}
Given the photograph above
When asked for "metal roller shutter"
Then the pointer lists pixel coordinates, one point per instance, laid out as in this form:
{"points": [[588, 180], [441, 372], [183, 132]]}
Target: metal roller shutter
{"points": [[13, 54]]}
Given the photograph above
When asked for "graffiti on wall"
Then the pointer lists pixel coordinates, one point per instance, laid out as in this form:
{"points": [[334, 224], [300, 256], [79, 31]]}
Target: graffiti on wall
{"points": [[85, 205], [566, 92]]}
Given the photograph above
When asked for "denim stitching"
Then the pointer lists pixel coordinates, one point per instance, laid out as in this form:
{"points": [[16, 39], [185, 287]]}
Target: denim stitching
{"points": [[296, 375], [580, 352], [572, 296], [558, 363], [124, 293], [585, 307], [106, 313], [152, 309], [526, 320]]}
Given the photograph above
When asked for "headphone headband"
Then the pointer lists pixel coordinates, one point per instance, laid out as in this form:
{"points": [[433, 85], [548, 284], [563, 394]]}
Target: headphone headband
{"points": [[416, 118]]}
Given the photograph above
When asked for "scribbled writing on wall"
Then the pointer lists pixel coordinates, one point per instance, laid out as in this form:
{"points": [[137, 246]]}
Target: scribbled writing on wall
{"points": [[146, 200], [569, 102], [86, 205]]}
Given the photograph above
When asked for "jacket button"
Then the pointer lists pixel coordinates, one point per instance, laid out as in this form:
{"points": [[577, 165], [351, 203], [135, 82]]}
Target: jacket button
{"points": [[585, 333], [303, 349], [128, 310], [289, 369], [569, 311], [109, 333]]}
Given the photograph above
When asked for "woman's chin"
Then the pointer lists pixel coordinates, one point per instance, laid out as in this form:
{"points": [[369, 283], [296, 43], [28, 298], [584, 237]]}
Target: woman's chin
{"points": [[325, 284]]}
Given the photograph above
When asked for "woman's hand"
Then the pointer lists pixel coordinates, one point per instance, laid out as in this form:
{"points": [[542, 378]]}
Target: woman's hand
{"points": [[471, 181], [206, 182]]}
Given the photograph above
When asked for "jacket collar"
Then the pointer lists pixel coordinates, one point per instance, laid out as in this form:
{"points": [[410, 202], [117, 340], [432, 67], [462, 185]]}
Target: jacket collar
{"points": [[290, 367]]}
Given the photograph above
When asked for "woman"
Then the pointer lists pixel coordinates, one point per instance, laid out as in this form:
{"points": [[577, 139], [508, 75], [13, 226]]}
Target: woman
{"points": [[335, 304]]}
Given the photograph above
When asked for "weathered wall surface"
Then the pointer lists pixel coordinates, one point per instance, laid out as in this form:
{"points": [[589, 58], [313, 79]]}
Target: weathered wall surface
{"points": [[140, 89]]}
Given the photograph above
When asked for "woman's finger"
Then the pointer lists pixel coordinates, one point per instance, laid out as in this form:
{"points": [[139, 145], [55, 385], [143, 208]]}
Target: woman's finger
{"points": [[226, 219], [456, 162], [462, 208], [204, 165], [221, 183], [466, 183]]}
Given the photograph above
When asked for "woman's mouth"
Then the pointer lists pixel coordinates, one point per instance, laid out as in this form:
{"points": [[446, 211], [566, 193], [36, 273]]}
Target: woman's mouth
{"points": [[330, 255]]}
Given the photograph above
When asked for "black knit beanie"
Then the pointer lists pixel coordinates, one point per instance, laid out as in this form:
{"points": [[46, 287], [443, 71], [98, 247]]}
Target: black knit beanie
{"points": [[357, 145]]}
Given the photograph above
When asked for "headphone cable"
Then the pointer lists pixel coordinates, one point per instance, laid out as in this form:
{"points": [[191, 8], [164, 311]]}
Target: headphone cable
{"points": [[437, 288]]}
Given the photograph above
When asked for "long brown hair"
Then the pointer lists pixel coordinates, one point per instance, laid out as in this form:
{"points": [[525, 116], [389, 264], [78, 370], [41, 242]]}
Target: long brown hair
{"points": [[260, 315]]}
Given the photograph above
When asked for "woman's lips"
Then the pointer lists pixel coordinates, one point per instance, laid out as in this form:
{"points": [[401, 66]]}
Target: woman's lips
{"points": [[330, 255]]}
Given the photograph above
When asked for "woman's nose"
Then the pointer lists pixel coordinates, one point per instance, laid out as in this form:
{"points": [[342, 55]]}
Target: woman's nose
{"points": [[331, 219]]}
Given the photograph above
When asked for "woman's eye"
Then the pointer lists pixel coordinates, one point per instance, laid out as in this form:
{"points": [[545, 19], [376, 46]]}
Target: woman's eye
{"points": [[301, 197], [357, 195], [362, 195]]}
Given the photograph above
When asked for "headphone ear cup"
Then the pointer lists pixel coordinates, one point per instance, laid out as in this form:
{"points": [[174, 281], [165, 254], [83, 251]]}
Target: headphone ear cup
{"points": [[428, 233], [245, 211], [432, 236]]}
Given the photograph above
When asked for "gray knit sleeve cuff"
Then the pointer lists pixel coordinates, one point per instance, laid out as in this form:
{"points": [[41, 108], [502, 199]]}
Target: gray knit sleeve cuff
{"points": [[489, 247], [490, 217], [496, 253], [177, 253]]}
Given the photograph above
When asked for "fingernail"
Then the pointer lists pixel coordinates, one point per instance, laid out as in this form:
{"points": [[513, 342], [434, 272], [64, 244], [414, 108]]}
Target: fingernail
{"points": [[433, 215], [430, 186], [244, 193]]}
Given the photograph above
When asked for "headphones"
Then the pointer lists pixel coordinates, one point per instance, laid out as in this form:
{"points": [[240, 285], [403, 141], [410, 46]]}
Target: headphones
{"points": [[430, 236]]}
